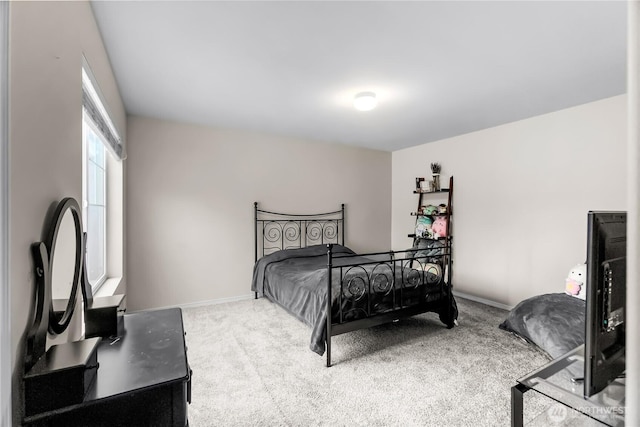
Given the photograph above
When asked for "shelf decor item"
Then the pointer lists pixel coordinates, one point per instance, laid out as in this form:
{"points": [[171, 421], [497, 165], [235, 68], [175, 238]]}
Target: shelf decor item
{"points": [[426, 186], [435, 173]]}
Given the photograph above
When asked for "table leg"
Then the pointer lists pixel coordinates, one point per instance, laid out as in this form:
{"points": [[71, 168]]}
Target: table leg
{"points": [[516, 404]]}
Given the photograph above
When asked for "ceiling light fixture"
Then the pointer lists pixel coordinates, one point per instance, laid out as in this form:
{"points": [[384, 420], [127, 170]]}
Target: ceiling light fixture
{"points": [[365, 101]]}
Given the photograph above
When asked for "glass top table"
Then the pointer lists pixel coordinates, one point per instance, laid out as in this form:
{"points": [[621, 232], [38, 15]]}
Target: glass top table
{"points": [[561, 381]]}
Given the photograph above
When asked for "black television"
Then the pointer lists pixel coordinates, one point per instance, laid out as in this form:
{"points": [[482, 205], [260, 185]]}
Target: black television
{"points": [[604, 356]]}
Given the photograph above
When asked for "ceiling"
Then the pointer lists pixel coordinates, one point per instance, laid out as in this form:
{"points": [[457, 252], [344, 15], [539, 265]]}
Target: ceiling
{"points": [[439, 68]]}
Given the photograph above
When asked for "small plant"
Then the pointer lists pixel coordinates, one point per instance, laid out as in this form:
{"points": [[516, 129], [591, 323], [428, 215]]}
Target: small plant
{"points": [[435, 168]]}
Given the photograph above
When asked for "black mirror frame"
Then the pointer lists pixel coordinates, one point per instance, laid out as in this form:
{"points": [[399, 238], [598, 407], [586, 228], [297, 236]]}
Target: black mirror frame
{"points": [[44, 317], [58, 324]]}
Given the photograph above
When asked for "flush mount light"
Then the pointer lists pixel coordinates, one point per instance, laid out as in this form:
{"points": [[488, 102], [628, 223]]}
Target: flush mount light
{"points": [[365, 101]]}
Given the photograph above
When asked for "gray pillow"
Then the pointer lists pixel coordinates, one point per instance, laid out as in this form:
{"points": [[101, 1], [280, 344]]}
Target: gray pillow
{"points": [[428, 250], [553, 322]]}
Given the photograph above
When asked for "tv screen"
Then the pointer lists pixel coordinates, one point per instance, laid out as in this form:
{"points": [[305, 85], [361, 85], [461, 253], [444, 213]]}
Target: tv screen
{"points": [[606, 296]]}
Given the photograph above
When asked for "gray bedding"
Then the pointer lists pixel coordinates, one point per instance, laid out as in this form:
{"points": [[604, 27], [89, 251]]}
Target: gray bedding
{"points": [[296, 280], [290, 278], [553, 322]]}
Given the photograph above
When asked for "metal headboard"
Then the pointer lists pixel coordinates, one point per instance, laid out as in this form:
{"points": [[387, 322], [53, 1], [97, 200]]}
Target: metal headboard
{"points": [[275, 231]]}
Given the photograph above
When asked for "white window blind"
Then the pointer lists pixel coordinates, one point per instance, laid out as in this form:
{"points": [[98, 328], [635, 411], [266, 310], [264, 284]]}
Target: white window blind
{"points": [[95, 109]]}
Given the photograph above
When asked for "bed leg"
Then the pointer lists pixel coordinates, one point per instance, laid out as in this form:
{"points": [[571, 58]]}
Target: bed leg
{"points": [[329, 301], [256, 295]]}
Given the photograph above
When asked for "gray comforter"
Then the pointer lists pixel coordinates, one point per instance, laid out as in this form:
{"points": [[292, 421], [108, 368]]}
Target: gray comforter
{"points": [[296, 280]]}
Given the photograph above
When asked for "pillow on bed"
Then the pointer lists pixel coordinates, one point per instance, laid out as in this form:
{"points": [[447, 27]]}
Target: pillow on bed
{"points": [[553, 322]]}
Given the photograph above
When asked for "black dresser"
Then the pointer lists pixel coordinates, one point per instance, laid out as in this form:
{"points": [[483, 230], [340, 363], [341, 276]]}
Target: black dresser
{"points": [[143, 378]]}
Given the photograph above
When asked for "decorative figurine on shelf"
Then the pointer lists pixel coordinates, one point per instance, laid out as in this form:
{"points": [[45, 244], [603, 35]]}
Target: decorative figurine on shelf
{"points": [[576, 283], [435, 172], [439, 227], [423, 227], [429, 210], [419, 183]]}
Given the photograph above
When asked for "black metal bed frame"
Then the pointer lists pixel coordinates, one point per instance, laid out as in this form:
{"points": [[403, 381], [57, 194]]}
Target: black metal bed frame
{"points": [[289, 231], [395, 276]]}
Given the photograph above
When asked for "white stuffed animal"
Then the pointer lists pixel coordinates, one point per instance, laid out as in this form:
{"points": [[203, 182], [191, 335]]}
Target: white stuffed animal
{"points": [[576, 283]]}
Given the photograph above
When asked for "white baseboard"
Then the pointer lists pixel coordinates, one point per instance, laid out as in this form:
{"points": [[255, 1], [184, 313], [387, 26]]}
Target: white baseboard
{"points": [[482, 300], [206, 302], [217, 301]]}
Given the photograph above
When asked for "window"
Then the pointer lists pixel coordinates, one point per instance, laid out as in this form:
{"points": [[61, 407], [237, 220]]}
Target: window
{"points": [[95, 202], [101, 147]]}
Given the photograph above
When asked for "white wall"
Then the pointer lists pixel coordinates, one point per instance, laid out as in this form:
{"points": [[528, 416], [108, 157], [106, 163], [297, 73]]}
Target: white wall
{"points": [[632, 391], [190, 194], [47, 41], [522, 192], [5, 312]]}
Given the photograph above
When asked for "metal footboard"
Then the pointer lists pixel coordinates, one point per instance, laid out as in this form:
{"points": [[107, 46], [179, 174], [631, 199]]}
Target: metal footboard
{"points": [[365, 290]]}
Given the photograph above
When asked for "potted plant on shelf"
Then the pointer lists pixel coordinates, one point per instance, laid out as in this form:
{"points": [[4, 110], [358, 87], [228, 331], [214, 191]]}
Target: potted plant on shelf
{"points": [[435, 173]]}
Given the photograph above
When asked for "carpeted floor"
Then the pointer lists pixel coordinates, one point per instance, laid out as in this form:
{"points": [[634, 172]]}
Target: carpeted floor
{"points": [[252, 366]]}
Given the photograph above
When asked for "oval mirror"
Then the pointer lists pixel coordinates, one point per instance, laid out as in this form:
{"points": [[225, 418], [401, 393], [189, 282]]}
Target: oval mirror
{"points": [[66, 250]]}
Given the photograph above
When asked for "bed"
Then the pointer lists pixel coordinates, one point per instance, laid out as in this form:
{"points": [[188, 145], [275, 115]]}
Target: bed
{"points": [[303, 265]]}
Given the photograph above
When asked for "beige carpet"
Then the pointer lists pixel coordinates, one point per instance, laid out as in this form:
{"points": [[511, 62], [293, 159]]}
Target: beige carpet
{"points": [[252, 366]]}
